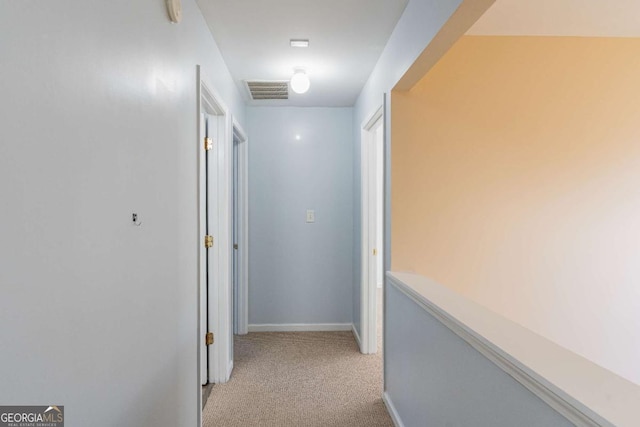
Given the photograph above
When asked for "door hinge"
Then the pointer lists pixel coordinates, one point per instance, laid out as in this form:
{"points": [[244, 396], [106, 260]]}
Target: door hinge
{"points": [[209, 338], [375, 252], [208, 241], [235, 246], [208, 144]]}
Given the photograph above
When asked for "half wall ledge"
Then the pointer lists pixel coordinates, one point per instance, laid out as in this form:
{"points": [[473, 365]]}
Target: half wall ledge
{"points": [[583, 392]]}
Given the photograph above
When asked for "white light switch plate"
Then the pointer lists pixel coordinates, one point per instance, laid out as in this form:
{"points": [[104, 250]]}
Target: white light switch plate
{"points": [[311, 215]]}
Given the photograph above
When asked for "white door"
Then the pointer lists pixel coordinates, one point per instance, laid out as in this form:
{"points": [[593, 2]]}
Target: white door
{"points": [[375, 206], [204, 378], [372, 244], [215, 205], [236, 236], [379, 196], [208, 130]]}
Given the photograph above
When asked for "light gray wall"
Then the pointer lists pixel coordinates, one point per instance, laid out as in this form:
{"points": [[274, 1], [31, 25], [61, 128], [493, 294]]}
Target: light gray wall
{"points": [[419, 23], [433, 377], [299, 272], [98, 120]]}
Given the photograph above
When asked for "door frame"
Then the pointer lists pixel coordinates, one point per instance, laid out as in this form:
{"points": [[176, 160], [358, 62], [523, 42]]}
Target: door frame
{"points": [[368, 286], [242, 305], [219, 360]]}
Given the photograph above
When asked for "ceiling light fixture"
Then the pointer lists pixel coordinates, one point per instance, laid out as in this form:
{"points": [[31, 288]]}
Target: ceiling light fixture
{"points": [[300, 81], [299, 42]]}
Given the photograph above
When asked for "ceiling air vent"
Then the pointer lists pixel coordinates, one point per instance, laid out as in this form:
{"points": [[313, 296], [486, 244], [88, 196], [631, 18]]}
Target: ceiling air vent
{"points": [[264, 90]]}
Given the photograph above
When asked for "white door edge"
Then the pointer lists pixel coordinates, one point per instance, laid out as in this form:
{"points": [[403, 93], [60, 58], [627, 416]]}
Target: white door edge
{"points": [[220, 311], [368, 286], [243, 229]]}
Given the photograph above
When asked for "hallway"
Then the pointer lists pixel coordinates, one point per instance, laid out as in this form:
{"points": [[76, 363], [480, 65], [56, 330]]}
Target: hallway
{"points": [[300, 379]]}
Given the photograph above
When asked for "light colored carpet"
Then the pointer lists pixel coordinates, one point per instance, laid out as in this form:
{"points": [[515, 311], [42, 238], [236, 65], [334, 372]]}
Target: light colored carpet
{"points": [[310, 379]]}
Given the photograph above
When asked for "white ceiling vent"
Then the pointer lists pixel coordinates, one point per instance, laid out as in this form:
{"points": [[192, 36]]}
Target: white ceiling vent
{"points": [[264, 90]]}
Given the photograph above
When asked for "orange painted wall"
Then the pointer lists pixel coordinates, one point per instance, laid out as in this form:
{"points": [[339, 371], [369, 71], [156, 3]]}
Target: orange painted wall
{"points": [[516, 181]]}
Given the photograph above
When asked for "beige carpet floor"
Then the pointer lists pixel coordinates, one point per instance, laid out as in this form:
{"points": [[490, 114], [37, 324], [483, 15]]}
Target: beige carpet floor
{"points": [[284, 379]]}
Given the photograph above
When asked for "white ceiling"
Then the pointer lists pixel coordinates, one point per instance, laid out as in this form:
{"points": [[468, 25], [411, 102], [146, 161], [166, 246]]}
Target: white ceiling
{"points": [[586, 18], [346, 39]]}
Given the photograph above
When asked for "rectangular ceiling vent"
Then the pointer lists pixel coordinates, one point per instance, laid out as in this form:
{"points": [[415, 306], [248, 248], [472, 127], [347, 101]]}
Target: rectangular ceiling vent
{"points": [[264, 90]]}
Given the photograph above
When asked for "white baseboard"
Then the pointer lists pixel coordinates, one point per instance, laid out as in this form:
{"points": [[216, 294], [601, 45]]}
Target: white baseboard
{"points": [[356, 336], [395, 417], [300, 327]]}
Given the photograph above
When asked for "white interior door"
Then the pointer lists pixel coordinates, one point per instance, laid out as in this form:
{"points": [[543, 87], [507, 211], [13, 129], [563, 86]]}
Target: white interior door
{"points": [[372, 157], [236, 237], [375, 274], [215, 204], [215, 209], [203, 256], [208, 131], [240, 218], [379, 193]]}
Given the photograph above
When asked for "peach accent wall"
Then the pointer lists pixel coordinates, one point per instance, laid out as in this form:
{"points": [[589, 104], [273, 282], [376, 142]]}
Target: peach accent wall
{"points": [[516, 182]]}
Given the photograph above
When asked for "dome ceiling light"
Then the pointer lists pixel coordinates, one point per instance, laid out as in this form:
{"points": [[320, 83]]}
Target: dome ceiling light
{"points": [[300, 81]]}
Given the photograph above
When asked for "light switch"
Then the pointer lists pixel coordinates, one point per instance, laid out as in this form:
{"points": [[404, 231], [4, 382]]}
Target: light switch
{"points": [[311, 215]]}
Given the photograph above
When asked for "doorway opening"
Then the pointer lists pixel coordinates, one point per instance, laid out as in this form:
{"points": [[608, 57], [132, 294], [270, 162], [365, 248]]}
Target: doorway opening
{"points": [[372, 244], [215, 299], [212, 128]]}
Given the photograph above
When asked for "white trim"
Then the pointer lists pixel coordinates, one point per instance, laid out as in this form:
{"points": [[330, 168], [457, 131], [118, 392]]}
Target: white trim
{"points": [[220, 306], [230, 368], [530, 359], [220, 323], [238, 132], [368, 306], [356, 336], [300, 327], [373, 118], [243, 238], [393, 413]]}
